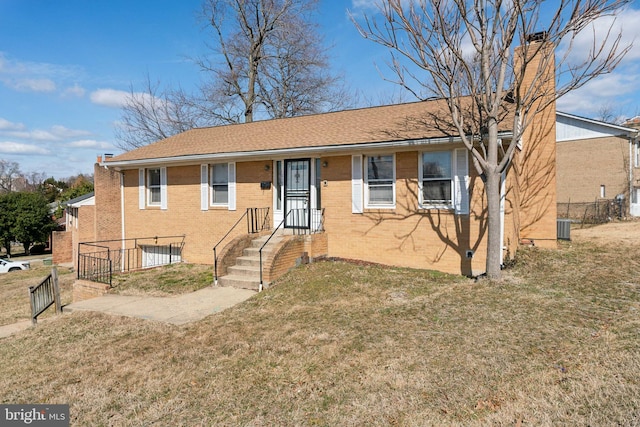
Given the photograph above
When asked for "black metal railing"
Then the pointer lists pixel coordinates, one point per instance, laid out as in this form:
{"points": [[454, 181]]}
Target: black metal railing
{"points": [[95, 266], [97, 261], [44, 295], [258, 220], [305, 221]]}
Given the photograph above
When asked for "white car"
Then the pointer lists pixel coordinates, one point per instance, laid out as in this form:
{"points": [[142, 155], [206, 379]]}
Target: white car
{"points": [[6, 265]]}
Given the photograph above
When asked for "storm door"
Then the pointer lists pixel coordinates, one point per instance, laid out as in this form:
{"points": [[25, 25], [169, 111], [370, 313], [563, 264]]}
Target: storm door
{"points": [[297, 186]]}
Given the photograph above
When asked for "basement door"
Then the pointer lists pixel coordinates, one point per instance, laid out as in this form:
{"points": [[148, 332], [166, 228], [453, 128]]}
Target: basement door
{"points": [[297, 192]]}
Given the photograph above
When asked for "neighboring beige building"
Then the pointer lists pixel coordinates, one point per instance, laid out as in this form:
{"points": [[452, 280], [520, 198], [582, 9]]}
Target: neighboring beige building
{"points": [[596, 161], [79, 227], [91, 218]]}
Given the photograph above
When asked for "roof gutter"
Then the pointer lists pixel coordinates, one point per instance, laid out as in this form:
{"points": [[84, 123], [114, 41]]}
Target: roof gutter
{"points": [[284, 152]]}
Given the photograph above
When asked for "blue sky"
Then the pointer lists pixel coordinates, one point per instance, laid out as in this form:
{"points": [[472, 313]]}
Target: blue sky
{"points": [[65, 66]]}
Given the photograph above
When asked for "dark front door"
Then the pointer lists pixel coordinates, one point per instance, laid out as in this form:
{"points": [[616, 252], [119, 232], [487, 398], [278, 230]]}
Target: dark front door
{"points": [[297, 179]]}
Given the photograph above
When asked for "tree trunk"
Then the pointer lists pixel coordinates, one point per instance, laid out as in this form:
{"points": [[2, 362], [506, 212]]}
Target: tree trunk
{"points": [[494, 245]]}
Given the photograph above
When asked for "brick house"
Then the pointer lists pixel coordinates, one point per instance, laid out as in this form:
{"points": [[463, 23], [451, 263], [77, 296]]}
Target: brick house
{"points": [[79, 220], [596, 161], [382, 184]]}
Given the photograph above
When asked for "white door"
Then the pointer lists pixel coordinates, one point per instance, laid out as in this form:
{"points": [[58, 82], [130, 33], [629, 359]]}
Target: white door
{"points": [[278, 192]]}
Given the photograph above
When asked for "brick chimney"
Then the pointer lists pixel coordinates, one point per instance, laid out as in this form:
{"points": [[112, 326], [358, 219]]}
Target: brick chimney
{"points": [[535, 163]]}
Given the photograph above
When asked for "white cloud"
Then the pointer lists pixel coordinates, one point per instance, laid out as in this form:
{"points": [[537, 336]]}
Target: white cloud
{"points": [[606, 28], [9, 147], [65, 133], [37, 134], [56, 133], [364, 4], [31, 85], [110, 97], [36, 76], [90, 143], [615, 89], [75, 90], [11, 126]]}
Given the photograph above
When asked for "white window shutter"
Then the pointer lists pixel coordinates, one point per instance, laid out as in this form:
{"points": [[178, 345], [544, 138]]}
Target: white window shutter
{"points": [[232, 186], [204, 187], [356, 184], [163, 188], [141, 189], [461, 181]]}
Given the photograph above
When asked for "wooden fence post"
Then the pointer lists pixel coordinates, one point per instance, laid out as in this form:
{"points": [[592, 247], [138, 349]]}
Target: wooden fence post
{"points": [[34, 319], [56, 290]]}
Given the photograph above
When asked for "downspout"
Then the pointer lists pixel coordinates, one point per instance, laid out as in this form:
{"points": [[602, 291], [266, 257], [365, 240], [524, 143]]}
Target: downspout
{"points": [[631, 163], [122, 246], [633, 155], [503, 195]]}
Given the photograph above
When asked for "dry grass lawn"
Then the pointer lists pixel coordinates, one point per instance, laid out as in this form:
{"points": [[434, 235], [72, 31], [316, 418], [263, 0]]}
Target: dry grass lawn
{"points": [[557, 342], [164, 281], [14, 291]]}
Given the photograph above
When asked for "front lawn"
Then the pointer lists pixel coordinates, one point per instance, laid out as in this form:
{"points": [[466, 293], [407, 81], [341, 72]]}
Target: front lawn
{"points": [[557, 342]]}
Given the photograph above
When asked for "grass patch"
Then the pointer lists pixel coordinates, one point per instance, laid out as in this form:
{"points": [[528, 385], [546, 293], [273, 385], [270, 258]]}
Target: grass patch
{"points": [[14, 291], [167, 280], [557, 342]]}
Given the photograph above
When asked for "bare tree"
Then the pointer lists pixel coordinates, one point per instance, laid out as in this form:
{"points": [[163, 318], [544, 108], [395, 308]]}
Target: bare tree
{"points": [[464, 52], [266, 60], [272, 57], [9, 172], [153, 114], [610, 113], [33, 180], [293, 79]]}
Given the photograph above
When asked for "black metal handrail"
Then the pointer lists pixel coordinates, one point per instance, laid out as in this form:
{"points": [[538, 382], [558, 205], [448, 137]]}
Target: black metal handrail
{"points": [[257, 220]]}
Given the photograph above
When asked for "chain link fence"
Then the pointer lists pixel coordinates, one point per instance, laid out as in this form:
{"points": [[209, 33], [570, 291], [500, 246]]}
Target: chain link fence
{"points": [[596, 212]]}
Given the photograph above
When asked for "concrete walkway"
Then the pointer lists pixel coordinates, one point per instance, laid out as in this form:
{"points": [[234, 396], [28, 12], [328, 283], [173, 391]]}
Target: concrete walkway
{"points": [[176, 310], [8, 330]]}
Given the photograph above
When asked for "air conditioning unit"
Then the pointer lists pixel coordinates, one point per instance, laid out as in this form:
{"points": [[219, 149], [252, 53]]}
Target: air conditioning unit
{"points": [[563, 229]]}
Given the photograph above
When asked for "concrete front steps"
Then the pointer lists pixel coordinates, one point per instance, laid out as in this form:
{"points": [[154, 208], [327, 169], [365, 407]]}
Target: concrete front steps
{"points": [[246, 273]]}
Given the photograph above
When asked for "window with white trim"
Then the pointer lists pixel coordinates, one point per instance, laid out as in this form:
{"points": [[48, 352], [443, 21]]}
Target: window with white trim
{"points": [[380, 179], [152, 185], [220, 184], [437, 178], [444, 180], [154, 197]]}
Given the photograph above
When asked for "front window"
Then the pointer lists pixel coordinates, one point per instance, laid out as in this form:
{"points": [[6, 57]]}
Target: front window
{"points": [[437, 178], [220, 184], [153, 186], [380, 180]]}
